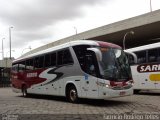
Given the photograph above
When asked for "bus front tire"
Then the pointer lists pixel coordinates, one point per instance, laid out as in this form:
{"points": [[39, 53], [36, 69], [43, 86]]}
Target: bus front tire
{"points": [[72, 95]]}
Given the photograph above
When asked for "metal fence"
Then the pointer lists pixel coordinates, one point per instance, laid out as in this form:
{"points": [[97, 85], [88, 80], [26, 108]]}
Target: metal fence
{"points": [[5, 77], [5, 82]]}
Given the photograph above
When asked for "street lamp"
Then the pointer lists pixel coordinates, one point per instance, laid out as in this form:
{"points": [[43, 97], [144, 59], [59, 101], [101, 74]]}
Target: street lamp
{"points": [[75, 30], [2, 49], [150, 5], [10, 40], [26, 48], [124, 38]]}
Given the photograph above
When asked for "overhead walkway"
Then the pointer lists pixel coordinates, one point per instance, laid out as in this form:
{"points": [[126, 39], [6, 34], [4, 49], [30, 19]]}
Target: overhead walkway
{"points": [[146, 28]]}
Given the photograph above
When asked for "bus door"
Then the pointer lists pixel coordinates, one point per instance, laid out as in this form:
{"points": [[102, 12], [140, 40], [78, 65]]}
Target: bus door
{"points": [[90, 79]]}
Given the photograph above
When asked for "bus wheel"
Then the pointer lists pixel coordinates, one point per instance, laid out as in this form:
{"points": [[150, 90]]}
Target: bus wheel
{"points": [[72, 95], [24, 91]]}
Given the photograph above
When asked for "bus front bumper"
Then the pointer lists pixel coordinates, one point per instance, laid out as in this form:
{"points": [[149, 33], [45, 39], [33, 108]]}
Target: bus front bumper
{"points": [[110, 93]]}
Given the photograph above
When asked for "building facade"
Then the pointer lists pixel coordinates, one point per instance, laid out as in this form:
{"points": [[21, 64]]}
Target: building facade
{"points": [[5, 68]]}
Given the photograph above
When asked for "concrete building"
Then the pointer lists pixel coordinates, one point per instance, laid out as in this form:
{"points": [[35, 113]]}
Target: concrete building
{"points": [[5, 66], [6, 63]]}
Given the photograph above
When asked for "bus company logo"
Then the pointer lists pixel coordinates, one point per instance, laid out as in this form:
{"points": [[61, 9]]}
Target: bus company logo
{"points": [[148, 68], [29, 75]]}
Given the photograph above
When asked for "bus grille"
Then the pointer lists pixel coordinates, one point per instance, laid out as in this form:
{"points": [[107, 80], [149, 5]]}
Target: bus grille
{"points": [[122, 87]]}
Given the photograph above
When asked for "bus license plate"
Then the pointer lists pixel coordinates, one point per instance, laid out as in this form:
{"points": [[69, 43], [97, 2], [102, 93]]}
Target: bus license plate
{"points": [[122, 93]]}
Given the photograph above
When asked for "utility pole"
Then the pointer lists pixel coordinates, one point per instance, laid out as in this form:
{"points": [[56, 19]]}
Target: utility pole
{"points": [[10, 41], [2, 49], [150, 5]]}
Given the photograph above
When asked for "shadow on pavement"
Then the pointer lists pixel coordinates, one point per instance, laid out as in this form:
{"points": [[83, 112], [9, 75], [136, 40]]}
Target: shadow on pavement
{"points": [[149, 92], [90, 102]]}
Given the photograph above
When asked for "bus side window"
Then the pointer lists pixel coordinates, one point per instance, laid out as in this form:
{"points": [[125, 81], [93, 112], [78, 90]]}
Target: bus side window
{"points": [[50, 60], [153, 55], [80, 51], [87, 59], [38, 62], [47, 60], [29, 64], [53, 59], [21, 66], [141, 56], [41, 62], [15, 67], [64, 57], [60, 57], [67, 58], [90, 63], [130, 59]]}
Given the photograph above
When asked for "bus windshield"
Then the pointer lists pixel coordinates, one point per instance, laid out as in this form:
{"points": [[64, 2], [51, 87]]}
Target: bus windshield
{"points": [[114, 65]]}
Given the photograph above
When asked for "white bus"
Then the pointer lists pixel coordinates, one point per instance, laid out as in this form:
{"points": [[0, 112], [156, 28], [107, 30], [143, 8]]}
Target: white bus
{"points": [[146, 71], [78, 69]]}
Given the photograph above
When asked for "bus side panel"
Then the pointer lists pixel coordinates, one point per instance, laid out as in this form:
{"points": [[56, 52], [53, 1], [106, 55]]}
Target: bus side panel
{"points": [[43, 87], [26, 78], [141, 80], [16, 81], [56, 79]]}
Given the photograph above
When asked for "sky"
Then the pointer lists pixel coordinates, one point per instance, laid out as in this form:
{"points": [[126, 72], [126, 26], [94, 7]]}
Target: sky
{"points": [[39, 22]]}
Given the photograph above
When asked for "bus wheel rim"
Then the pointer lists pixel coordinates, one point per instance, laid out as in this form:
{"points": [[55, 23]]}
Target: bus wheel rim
{"points": [[73, 95]]}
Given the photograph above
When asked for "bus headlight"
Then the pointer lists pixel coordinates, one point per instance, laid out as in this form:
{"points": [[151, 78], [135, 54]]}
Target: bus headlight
{"points": [[108, 86], [103, 84]]}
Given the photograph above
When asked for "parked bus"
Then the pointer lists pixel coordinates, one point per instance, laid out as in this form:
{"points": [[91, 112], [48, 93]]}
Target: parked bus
{"points": [[146, 71], [78, 69]]}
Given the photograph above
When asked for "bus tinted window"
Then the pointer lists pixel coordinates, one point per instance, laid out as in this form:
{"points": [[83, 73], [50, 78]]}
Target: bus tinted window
{"points": [[21, 66], [60, 57], [29, 64], [80, 51], [47, 60], [64, 57], [153, 55], [158, 58], [41, 62], [67, 58], [38, 62], [53, 59], [130, 59], [87, 59], [141, 56], [90, 63], [15, 67]]}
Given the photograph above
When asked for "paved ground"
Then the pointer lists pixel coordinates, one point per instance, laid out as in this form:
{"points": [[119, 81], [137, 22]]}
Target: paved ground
{"points": [[58, 108]]}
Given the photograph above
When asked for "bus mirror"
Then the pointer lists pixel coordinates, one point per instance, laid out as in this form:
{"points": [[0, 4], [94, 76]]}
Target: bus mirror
{"points": [[133, 55], [97, 52]]}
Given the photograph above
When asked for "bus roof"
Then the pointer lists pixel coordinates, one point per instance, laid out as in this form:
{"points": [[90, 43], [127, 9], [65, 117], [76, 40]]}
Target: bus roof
{"points": [[68, 44], [145, 47]]}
